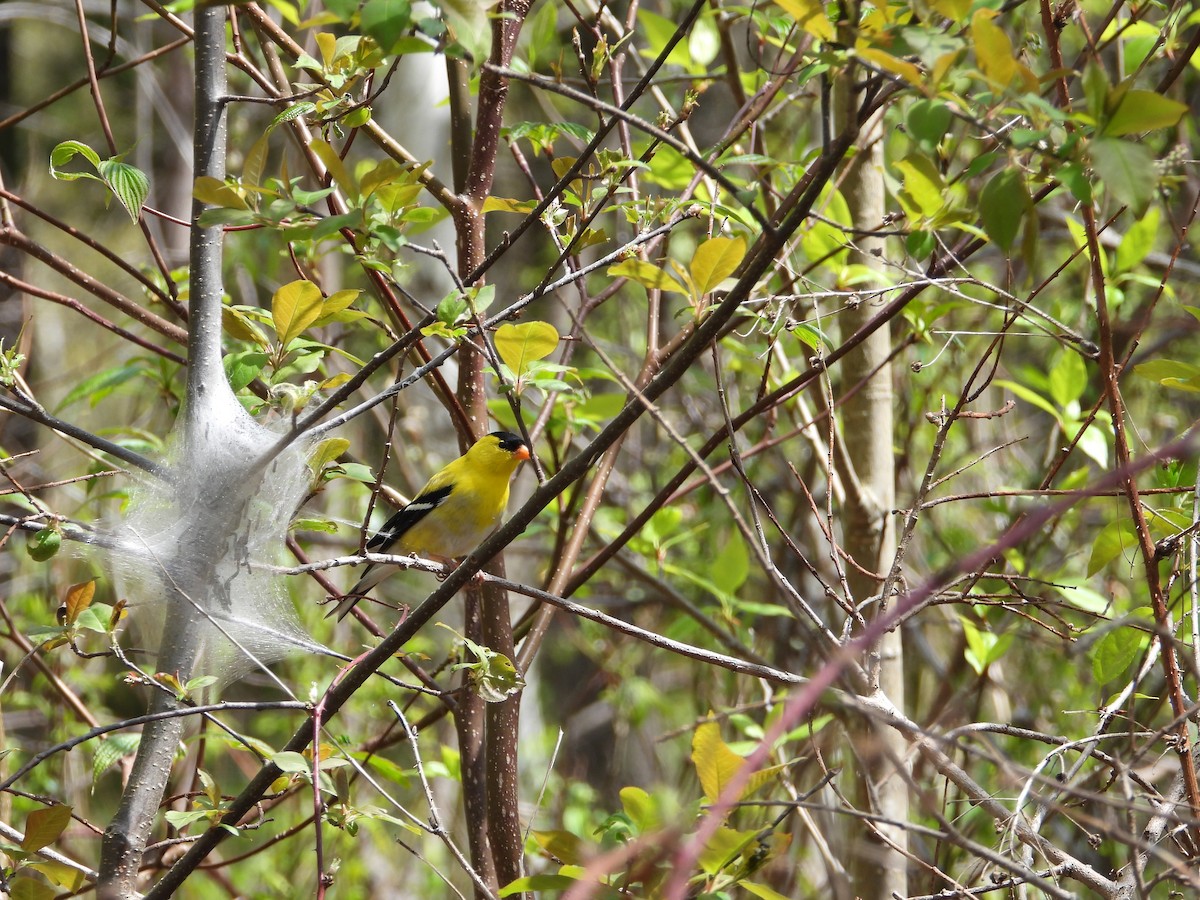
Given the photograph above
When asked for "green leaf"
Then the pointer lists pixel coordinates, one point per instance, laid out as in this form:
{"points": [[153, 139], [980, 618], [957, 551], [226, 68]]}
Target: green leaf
{"points": [[731, 566], [112, 750], [256, 161], [1138, 241], [96, 387], [60, 874], [294, 307], [923, 183], [642, 808], [984, 647], [1068, 378], [1115, 651], [648, 275], [928, 121], [761, 891], [292, 762], [1171, 373], [43, 827], [1126, 170], [129, 185], [522, 345], [25, 888], [715, 260], [1003, 202], [43, 545], [1114, 539], [386, 21], [1139, 111], [1030, 396], [66, 151], [549, 882], [242, 368]]}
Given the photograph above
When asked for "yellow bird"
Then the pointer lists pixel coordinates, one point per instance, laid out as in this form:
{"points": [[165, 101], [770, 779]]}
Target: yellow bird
{"points": [[459, 507]]}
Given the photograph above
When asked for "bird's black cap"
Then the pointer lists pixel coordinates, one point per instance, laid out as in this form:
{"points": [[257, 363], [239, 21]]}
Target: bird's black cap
{"points": [[509, 441]]}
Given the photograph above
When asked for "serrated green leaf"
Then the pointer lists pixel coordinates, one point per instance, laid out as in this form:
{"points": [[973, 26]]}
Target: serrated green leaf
{"points": [[294, 307], [112, 750]]}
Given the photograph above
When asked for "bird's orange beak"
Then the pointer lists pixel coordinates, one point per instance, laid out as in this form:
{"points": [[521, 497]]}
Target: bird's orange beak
{"points": [[522, 453]]}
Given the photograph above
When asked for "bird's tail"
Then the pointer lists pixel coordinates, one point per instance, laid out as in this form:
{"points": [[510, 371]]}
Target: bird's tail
{"points": [[371, 576]]}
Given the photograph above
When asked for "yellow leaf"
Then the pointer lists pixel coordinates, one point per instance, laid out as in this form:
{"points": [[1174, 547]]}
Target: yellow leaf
{"points": [[993, 49], [294, 307], [327, 42], [715, 260], [562, 845], [896, 66], [337, 301], [642, 809], [62, 875], [724, 845], [650, 276], [336, 168], [715, 763], [503, 204], [954, 10], [810, 15], [79, 597], [214, 192], [238, 325], [522, 345], [43, 827]]}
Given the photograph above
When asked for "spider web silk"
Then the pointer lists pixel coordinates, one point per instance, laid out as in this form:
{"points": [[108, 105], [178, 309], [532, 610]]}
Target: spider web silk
{"points": [[207, 538]]}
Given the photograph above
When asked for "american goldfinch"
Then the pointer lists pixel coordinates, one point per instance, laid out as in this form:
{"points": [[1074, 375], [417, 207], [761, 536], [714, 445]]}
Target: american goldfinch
{"points": [[452, 514]]}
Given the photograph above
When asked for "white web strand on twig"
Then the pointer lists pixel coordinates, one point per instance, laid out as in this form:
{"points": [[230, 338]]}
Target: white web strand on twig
{"points": [[212, 533]]}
